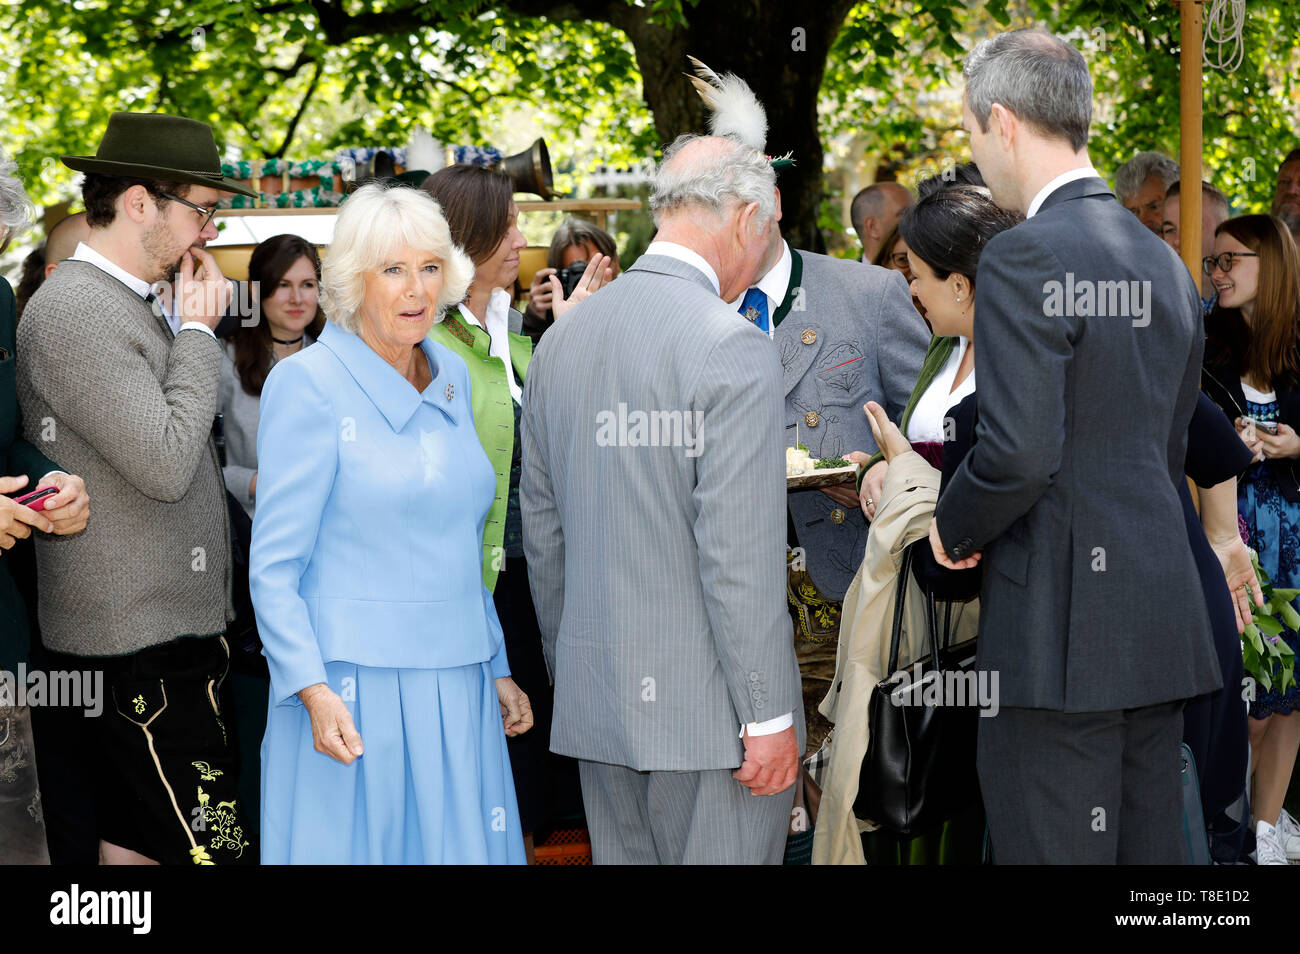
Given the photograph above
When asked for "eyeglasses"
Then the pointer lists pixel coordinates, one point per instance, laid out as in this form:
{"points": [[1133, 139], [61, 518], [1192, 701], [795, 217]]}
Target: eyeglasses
{"points": [[899, 260], [1224, 261], [206, 213]]}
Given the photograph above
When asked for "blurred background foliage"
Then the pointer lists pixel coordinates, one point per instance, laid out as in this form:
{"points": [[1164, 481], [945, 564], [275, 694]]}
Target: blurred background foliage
{"points": [[302, 78]]}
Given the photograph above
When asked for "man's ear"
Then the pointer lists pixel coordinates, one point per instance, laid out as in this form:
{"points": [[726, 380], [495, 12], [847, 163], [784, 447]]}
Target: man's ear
{"points": [[134, 202], [777, 192], [746, 224], [1004, 125]]}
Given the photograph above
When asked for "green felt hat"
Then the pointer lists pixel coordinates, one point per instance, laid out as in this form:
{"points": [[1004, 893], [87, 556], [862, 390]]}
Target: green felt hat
{"points": [[158, 147]]}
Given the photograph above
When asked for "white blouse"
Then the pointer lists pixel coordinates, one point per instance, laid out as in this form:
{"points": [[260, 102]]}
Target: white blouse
{"points": [[926, 422]]}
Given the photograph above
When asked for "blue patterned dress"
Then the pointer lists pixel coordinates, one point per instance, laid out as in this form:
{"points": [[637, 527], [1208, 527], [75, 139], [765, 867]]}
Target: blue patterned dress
{"points": [[1273, 526]]}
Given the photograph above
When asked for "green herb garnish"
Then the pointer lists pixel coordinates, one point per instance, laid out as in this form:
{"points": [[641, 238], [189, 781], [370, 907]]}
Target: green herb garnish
{"points": [[826, 463]]}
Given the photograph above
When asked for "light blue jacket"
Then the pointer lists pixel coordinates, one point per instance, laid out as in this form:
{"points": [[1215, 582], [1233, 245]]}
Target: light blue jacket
{"points": [[371, 500]]}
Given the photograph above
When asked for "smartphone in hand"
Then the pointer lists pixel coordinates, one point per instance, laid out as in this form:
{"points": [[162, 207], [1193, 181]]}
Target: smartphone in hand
{"points": [[37, 499]]}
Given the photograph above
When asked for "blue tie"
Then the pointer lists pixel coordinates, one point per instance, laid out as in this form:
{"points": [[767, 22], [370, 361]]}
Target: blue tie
{"points": [[754, 307]]}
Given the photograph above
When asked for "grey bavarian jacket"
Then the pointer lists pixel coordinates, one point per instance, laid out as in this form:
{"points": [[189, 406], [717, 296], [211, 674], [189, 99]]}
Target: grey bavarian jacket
{"points": [[846, 333]]}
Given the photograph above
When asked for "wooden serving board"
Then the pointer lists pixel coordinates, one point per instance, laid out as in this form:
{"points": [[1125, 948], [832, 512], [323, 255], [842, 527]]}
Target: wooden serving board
{"points": [[822, 478]]}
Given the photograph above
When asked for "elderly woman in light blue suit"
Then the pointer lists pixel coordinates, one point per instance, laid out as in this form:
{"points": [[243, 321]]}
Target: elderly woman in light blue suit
{"points": [[390, 693]]}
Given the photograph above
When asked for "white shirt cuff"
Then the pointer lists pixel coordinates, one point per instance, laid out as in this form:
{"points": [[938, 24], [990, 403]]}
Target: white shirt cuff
{"points": [[770, 727], [198, 326], [47, 476]]}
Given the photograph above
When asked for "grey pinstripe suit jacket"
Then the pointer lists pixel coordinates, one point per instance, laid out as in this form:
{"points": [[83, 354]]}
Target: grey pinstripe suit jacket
{"points": [[658, 571]]}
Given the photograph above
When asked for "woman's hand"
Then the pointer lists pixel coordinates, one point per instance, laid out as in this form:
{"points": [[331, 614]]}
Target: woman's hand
{"points": [[1284, 444], [16, 521], [873, 484], [1243, 583], [888, 437], [539, 292], [1249, 435], [598, 272], [69, 509], [332, 728], [516, 710]]}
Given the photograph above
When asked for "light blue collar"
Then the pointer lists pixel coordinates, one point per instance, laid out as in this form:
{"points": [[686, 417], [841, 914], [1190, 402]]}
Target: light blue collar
{"points": [[391, 393]]}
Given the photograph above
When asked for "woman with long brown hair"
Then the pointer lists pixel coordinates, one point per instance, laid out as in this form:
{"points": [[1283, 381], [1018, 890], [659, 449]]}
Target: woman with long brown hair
{"points": [[285, 272], [1252, 371]]}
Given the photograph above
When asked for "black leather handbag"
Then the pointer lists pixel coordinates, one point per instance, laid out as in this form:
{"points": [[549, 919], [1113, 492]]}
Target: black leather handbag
{"points": [[919, 769]]}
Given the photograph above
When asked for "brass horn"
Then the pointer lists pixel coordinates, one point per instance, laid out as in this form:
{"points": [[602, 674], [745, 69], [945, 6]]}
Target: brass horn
{"points": [[529, 170]]}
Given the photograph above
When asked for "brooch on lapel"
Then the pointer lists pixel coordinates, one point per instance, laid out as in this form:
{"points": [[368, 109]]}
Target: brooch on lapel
{"points": [[451, 390]]}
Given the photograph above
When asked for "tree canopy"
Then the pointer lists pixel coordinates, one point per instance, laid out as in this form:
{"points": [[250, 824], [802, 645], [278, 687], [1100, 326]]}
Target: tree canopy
{"points": [[602, 79]]}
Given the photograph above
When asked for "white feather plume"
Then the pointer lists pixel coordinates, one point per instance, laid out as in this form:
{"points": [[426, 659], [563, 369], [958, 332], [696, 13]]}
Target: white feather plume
{"points": [[734, 109]]}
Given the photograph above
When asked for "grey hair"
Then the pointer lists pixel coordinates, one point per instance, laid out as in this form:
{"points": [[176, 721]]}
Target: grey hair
{"points": [[374, 222], [1130, 177], [16, 210], [1039, 77], [734, 172], [579, 232]]}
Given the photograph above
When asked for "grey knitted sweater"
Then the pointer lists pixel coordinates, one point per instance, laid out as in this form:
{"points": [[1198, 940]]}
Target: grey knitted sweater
{"points": [[109, 392]]}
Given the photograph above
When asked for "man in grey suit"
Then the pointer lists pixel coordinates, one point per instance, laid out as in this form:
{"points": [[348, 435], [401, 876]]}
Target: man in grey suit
{"points": [[1089, 345], [846, 333], [653, 495]]}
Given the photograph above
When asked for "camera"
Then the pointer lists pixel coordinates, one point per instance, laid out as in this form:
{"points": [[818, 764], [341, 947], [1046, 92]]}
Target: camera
{"points": [[570, 275]]}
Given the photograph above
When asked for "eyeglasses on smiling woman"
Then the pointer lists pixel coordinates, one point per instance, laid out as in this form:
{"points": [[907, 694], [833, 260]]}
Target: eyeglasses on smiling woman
{"points": [[1224, 261]]}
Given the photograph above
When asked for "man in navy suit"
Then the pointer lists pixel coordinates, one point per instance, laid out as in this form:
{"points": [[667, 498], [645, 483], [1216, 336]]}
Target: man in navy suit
{"points": [[1089, 341]]}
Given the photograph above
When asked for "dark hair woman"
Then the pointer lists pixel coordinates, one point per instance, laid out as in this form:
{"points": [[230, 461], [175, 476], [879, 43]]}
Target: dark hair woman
{"points": [[485, 330], [1252, 371], [574, 241], [285, 272], [944, 233]]}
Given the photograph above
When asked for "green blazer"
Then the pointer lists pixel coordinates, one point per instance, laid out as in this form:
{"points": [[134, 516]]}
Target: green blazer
{"points": [[17, 457], [936, 356], [494, 415]]}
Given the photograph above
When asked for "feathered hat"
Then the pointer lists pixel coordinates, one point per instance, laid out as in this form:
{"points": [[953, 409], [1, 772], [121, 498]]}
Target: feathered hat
{"points": [[734, 110]]}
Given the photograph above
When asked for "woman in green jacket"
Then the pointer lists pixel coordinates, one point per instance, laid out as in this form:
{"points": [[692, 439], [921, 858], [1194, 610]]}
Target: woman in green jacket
{"points": [[484, 330]]}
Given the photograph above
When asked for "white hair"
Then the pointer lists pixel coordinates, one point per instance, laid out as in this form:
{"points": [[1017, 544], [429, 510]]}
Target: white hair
{"points": [[373, 222], [16, 210], [714, 179], [1132, 176]]}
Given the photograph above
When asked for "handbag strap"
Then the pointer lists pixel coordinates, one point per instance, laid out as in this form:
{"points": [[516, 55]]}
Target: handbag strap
{"points": [[900, 594], [932, 625]]}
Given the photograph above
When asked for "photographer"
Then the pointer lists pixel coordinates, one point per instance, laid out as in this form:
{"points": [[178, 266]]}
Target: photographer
{"points": [[570, 267]]}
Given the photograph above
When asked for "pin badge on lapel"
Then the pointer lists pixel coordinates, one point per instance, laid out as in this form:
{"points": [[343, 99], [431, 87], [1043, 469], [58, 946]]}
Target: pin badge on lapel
{"points": [[451, 390], [808, 337]]}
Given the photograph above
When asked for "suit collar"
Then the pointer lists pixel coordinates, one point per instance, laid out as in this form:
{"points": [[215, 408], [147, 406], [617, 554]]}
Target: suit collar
{"points": [[667, 265], [1075, 189], [391, 393]]}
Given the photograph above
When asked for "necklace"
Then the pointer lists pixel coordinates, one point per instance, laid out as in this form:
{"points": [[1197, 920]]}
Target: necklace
{"points": [[289, 342]]}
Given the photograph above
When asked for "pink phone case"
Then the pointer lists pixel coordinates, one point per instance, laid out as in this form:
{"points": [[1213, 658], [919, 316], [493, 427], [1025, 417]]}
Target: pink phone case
{"points": [[36, 499]]}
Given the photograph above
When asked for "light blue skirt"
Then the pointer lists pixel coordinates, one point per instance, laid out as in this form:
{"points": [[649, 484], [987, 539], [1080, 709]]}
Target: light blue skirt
{"points": [[432, 787]]}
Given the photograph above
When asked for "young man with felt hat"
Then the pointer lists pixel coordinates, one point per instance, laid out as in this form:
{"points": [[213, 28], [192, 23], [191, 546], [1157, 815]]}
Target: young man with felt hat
{"points": [[144, 592]]}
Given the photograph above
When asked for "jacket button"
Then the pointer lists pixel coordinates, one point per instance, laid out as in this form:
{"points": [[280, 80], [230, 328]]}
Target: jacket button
{"points": [[809, 336], [838, 515], [812, 418]]}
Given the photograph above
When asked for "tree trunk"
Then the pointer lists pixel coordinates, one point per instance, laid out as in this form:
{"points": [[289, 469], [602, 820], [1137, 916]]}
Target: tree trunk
{"points": [[779, 50]]}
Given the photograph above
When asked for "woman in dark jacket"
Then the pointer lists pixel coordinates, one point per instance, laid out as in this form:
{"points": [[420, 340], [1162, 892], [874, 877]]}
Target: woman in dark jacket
{"points": [[1252, 371]]}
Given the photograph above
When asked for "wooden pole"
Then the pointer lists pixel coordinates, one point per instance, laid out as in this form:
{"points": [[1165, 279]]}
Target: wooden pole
{"points": [[1189, 139]]}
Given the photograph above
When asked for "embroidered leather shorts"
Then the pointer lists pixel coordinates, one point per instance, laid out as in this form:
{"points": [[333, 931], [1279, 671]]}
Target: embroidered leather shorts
{"points": [[170, 755]]}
